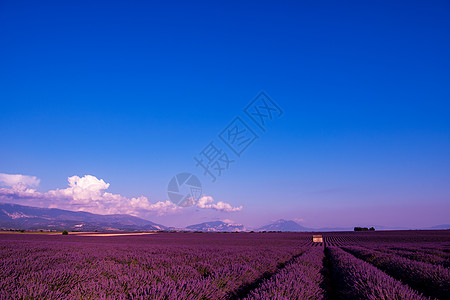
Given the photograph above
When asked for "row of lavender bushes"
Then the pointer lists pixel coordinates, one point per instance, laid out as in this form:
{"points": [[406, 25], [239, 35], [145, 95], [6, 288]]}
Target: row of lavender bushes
{"points": [[212, 269], [99, 271], [300, 279], [432, 256], [432, 280], [356, 279]]}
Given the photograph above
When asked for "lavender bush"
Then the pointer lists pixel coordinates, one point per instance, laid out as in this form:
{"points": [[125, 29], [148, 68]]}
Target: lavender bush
{"points": [[432, 256], [225, 266], [300, 279], [430, 279], [91, 269], [356, 279]]}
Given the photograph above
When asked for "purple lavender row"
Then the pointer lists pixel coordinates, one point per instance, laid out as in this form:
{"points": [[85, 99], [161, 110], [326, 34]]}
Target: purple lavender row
{"points": [[428, 248], [356, 279], [73, 271], [300, 279], [419, 254], [437, 249], [429, 279]]}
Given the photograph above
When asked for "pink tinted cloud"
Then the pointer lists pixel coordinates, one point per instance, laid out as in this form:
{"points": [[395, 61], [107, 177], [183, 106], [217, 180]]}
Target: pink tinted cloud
{"points": [[88, 193]]}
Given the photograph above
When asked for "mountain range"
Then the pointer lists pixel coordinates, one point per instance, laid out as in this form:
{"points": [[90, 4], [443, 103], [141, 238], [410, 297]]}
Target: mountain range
{"points": [[284, 225], [216, 226], [14, 216]]}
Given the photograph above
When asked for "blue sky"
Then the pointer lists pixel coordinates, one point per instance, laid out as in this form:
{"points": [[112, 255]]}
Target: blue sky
{"points": [[130, 92]]}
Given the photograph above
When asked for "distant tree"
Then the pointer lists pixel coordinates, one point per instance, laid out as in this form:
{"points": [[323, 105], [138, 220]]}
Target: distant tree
{"points": [[372, 229], [65, 232], [362, 229]]}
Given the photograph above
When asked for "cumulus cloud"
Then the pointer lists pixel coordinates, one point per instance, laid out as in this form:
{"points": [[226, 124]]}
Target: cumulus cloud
{"points": [[12, 180], [88, 193], [208, 202], [85, 193]]}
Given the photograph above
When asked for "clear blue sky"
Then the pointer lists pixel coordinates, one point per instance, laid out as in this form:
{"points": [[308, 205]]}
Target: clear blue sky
{"points": [[131, 91]]}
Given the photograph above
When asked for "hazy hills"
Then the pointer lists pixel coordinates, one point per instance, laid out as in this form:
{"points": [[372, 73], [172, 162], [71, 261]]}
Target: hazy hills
{"points": [[216, 226], [14, 216], [33, 218], [284, 225]]}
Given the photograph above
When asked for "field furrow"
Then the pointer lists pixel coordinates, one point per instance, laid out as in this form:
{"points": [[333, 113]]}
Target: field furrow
{"points": [[356, 279], [301, 279], [429, 279], [96, 270], [371, 265]]}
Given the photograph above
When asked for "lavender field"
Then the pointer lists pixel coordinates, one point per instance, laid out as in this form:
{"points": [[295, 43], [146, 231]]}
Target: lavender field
{"points": [[347, 265]]}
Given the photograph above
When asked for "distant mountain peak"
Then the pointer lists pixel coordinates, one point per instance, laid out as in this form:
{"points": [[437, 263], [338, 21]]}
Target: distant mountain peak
{"points": [[216, 226], [284, 225]]}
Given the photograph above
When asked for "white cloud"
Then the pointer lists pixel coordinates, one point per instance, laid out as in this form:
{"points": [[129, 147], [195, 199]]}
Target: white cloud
{"points": [[12, 180], [88, 193], [85, 193], [208, 202]]}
